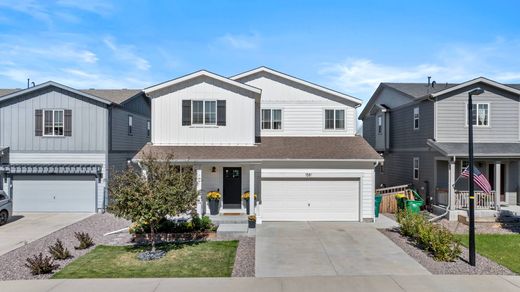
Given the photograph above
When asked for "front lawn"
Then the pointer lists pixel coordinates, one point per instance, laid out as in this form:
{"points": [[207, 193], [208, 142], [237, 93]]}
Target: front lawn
{"points": [[201, 259], [501, 248]]}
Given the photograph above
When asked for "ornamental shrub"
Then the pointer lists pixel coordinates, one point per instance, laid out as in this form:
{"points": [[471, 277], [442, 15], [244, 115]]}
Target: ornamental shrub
{"points": [[437, 240], [58, 251], [40, 264]]}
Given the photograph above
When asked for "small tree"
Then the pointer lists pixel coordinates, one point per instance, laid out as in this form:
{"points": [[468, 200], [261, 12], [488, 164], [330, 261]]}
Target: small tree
{"points": [[150, 194]]}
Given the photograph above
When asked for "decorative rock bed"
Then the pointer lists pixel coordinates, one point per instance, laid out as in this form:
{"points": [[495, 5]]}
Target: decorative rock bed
{"points": [[484, 266]]}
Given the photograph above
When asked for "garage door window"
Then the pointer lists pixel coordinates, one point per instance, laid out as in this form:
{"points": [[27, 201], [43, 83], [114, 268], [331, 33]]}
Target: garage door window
{"points": [[53, 122]]}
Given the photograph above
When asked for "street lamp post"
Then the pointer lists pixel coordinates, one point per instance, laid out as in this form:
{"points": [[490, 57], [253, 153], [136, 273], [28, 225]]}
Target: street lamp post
{"points": [[472, 254]]}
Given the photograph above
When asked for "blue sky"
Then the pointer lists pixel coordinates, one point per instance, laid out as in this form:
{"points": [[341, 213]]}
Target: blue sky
{"points": [[349, 46]]}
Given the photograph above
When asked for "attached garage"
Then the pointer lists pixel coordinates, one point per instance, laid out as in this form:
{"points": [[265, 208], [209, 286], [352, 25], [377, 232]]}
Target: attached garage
{"points": [[311, 199], [54, 193]]}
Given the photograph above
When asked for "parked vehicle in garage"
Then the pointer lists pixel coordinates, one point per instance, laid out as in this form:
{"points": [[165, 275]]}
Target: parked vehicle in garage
{"points": [[6, 208]]}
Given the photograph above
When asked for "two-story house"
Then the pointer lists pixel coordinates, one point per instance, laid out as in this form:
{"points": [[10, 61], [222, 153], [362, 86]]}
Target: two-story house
{"points": [[59, 143], [287, 140], [421, 129]]}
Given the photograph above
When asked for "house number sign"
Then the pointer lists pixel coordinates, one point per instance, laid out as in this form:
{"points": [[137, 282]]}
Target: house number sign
{"points": [[308, 174]]}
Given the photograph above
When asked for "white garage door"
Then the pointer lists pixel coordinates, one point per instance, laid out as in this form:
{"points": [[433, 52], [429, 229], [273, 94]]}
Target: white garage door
{"points": [[310, 200], [54, 193]]}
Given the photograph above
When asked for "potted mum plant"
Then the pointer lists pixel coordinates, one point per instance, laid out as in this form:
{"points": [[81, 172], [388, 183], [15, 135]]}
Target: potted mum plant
{"points": [[245, 197], [214, 201], [251, 221]]}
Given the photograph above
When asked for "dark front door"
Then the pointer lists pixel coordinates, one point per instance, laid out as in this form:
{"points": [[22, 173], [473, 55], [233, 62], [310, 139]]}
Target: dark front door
{"points": [[232, 187]]}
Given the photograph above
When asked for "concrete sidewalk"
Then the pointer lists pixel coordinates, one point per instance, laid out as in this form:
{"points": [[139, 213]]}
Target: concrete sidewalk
{"points": [[322, 284]]}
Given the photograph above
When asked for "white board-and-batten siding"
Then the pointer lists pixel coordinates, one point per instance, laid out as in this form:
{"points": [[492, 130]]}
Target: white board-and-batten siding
{"points": [[303, 109], [167, 128]]}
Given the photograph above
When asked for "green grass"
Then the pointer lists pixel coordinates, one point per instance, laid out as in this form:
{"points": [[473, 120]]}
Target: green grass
{"points": [[501, 248], [202, 259]]}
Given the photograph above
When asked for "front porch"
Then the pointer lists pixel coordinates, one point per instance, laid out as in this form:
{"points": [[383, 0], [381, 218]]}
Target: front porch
{"points": [[231, 180], [452, 193]]}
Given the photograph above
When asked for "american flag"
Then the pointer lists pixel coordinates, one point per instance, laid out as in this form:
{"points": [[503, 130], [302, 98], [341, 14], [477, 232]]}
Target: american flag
{"points": [[479, 179]]}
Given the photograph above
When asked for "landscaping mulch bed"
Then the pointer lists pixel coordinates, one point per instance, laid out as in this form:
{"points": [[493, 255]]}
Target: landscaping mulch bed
{"points": [[12, 264], [459, 267], [245, 258]]}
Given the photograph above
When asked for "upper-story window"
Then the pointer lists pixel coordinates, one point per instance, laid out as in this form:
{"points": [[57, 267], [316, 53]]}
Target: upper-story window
{"points": [[480, 114], [148, 128], [379, 125], [416, 118], [271, 119], [53, 122], [204, 112], [334, 119], [130, 125]]}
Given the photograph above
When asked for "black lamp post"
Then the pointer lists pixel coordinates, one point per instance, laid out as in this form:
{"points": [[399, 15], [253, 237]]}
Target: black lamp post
{"points": [[472, 255]]}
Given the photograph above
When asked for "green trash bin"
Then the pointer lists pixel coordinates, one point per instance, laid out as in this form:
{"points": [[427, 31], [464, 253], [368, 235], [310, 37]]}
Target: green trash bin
{"points": [[414, 206], [378, 204]]}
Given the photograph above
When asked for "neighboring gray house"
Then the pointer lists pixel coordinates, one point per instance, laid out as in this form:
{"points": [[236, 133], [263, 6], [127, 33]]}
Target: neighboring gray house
{"points": [[421, 131], [58, 144]]}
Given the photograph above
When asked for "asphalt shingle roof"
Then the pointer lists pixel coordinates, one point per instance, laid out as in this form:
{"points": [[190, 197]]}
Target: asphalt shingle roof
{"points": [[116, 96], [273, 148], [418, 90], [480, 149]]}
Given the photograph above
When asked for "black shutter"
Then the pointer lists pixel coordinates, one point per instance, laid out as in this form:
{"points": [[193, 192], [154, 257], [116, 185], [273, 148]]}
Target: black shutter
{"points": [[68, 123], [38, 122], [221, 112], [186, 112]]}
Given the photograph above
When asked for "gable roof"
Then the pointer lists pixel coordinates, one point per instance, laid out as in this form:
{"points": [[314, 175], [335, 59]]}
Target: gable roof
{"points": [[417, 91], [199, 74], [297, 80], [55, 84]]}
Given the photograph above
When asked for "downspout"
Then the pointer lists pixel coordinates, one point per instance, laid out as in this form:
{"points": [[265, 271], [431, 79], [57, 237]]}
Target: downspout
{"points": [[434, 219]]}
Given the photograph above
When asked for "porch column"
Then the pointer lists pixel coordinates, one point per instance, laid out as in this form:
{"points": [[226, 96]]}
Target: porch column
{"points": [[451, 184], [202, 202], [498, 191], [252, 191]]}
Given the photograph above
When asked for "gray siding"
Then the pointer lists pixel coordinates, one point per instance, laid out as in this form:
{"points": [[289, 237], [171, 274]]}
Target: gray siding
{"points": [[504, 113], [118, 161], [139, 105], [89, 123], [369, 130], [121, 140], [402, 133]]}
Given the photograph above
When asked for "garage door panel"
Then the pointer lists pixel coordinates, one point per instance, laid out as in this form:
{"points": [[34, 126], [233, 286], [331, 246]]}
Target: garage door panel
{"points": [[310, 199], [54, 193]]}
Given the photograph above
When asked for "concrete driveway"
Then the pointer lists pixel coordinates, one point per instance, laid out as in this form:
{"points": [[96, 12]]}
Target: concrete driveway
{"points": [[27, 227], [292, 249]]}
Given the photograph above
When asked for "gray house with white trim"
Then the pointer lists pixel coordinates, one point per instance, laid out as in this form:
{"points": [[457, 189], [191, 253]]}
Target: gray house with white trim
{"points": [[421, 131], [59, 143]]}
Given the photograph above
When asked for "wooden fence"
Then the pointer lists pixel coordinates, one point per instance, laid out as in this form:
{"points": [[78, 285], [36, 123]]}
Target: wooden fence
{"points": [[388, 202]]}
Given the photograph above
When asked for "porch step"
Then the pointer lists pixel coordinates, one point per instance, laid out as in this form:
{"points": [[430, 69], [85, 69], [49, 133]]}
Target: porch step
{"points": [[228, 219], [232, 228]]}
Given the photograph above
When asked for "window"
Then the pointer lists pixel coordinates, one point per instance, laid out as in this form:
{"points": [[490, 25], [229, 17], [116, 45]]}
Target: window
{"points": [[53, 124], [480, 115], [381, 168], [130, 124], [334, 119], [379, 125], [204, 112], [463, 164], [416, 168], [271, 119], [416, 118], [148, 128]]}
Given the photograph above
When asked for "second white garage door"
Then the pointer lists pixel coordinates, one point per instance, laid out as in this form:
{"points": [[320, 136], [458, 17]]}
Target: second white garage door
{"points": [[310, 199], [46, 193]]}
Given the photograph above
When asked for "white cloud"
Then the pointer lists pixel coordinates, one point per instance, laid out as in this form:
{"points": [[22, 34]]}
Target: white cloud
{"points": [[453, 63], [102, 7], [240, 41], [126, 53]]}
